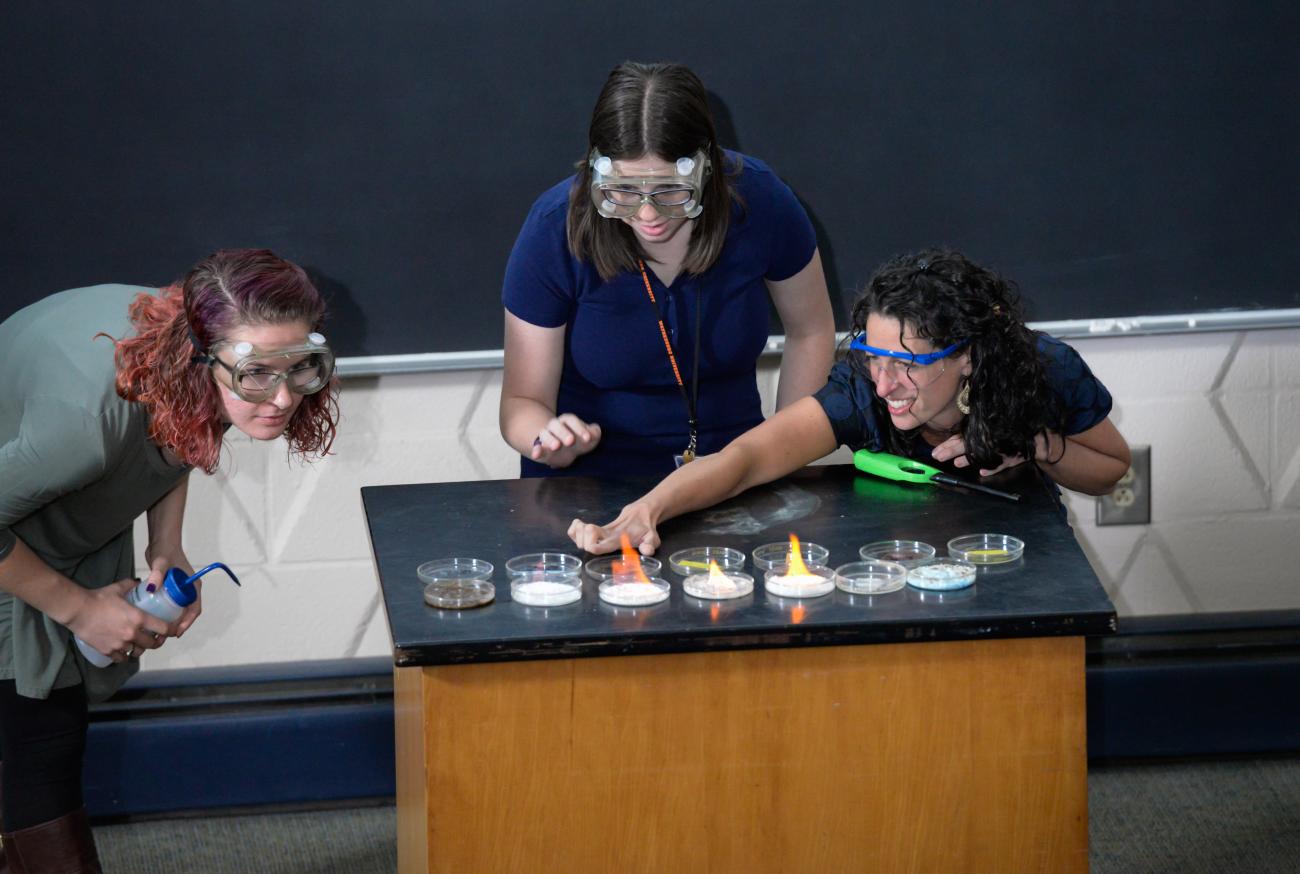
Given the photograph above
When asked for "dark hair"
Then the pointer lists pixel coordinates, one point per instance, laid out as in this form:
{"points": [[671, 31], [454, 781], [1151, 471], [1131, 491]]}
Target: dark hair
{"points": [[650, 109], [226, 290], [945, 297]]}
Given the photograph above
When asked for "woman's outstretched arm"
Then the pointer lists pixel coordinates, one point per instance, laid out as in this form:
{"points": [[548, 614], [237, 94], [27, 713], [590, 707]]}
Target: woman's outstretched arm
{"points": [[792, 438]]}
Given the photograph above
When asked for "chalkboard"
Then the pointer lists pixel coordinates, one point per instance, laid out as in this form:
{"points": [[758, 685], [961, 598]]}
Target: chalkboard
{"points": [[1116, 159]]}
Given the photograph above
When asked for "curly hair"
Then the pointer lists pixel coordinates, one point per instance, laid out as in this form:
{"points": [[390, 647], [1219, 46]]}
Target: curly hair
{"points": [[227, 290], [945, 297]]}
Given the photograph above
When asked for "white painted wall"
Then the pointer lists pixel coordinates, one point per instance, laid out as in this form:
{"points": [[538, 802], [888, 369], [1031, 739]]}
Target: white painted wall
{"points": [[1220, 411]]}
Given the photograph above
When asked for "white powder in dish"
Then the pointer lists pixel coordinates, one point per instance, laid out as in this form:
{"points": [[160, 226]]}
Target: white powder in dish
{"points": [[801, 586], [729, 586], [545, 594], [632, 594]]}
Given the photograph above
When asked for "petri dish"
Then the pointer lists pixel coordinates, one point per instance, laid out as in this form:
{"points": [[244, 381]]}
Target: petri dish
{"points": [[905, 552], [986, 548], [459, 594], [872, 577], [956, 596], [941, 574], [454, 569], [769, 555], [544, 562], [638, 594], [733, 584], [603, 568], [546, 589], [715, 608], [696, 559], [819, 581]]}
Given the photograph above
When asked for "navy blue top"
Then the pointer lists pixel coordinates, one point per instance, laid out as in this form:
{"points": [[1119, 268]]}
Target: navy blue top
{"points": [[847, 400], [616, 371]]}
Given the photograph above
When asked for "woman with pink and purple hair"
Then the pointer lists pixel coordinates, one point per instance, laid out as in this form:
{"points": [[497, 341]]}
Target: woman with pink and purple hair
{"points": [[113, 394]]}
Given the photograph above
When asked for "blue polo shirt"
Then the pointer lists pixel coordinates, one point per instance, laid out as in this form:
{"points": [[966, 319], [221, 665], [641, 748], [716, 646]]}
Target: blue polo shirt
{"points": [[849, 400], [616, 371]]}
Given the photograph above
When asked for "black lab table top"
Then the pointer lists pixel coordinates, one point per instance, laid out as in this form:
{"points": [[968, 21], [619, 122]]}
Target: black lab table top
{"points": [[1051, 591]]}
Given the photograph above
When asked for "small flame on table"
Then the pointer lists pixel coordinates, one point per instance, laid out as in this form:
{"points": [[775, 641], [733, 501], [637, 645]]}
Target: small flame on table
{"points": [[795, 566], [628, 568]]}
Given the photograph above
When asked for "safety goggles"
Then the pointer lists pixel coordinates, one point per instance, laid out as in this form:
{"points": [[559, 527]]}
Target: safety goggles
{"points": [[257, 373], [672, 196], [920, 370]]}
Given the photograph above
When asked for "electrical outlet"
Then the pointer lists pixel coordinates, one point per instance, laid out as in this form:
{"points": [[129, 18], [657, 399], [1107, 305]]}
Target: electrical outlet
{"points": [[1130, 503]]}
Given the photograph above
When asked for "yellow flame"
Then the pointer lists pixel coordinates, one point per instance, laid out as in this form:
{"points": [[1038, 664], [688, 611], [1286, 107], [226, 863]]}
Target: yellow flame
{"points": [[795, 566], [630, 564], [716, 576]]}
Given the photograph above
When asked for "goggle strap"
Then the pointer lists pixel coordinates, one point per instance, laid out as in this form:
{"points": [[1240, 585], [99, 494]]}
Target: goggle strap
{"points": [[202, 356], [910, 358]]}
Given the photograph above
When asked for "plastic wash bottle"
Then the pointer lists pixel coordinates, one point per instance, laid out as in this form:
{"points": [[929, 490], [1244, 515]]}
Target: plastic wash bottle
{"points": [[167, 602]]}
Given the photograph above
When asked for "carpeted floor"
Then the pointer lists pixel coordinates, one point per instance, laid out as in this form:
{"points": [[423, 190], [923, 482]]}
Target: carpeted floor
{"points": [[1203, 817], [360, 840]]}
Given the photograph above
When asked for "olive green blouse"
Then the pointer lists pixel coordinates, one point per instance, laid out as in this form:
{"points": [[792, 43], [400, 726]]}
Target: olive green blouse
{"points": [[76, 469]]}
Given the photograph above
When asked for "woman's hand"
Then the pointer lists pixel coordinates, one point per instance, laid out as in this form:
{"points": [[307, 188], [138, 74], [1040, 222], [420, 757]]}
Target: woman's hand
{"points": [[637, 521], [159, 564], [954, 449], [109, 624], [563, 439]]}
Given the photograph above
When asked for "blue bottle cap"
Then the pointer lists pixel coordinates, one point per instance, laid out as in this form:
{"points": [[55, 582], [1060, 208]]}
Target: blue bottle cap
{"points": [[181, 589]]}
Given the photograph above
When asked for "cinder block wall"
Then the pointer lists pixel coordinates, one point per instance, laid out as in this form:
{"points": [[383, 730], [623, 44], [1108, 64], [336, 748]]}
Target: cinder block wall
{"points": [[1221, 412]]}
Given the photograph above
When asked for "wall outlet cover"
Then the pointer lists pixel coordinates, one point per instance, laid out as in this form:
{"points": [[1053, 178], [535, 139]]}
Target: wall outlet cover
{"points": [[1130, 503]]}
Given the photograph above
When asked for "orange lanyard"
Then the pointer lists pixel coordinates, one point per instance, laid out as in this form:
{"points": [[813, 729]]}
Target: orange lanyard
{"points": [[692, 399]]}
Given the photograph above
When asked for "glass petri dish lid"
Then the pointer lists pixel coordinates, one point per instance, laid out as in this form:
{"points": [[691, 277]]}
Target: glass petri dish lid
{"points": [[544, 562], [872, 577], [905, 552], [986, 548], [454, 569], [696, 559], [603, 568], [769, 555]]}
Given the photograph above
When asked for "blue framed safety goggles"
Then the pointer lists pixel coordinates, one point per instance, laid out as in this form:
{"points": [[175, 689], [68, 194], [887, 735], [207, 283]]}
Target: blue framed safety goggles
{"points": [[909, 357]]}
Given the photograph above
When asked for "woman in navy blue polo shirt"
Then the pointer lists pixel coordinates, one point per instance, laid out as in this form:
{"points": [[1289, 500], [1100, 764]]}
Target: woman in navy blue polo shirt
{"points": [[636, 296], [941, 368]]}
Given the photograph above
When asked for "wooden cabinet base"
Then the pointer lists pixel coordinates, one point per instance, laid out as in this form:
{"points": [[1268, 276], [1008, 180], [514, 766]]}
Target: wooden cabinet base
{"points": [[919, 757]]}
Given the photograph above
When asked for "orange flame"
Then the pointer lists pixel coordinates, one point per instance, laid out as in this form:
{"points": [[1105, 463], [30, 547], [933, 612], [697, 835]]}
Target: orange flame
{"points": [[715, 610], [795, 566], [716, 576], [797, 613], [629, 566]]}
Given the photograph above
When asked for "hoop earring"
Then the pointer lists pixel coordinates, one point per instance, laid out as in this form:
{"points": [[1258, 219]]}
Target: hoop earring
{"points": [[963, 398]]}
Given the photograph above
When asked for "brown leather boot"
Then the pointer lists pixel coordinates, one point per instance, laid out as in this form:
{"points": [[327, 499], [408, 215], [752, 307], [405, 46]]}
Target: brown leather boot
{"points": [[60, 846]]}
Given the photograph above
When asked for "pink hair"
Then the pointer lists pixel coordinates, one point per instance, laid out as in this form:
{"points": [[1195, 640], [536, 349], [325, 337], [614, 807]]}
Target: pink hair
{"points": [[228, 289]]}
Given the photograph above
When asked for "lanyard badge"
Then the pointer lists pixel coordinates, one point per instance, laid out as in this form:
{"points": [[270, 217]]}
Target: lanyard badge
{"points": [[690, 400]]}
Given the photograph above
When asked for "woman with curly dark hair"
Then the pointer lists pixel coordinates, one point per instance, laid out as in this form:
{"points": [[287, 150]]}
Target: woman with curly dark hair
{"points": [[112, 395], [941, 368]]}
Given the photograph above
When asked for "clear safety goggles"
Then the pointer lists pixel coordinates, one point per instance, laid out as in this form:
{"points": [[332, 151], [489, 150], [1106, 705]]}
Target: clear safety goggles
{"points": [[257, 373], [673, 196], [919, 370]]}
